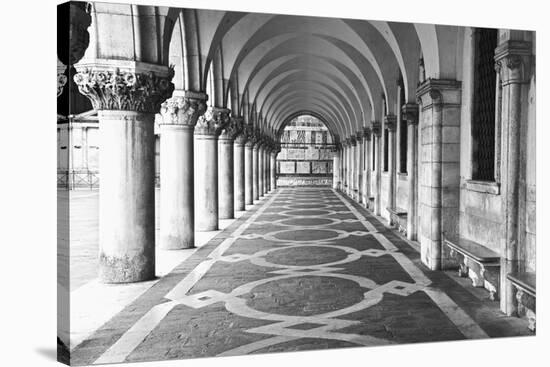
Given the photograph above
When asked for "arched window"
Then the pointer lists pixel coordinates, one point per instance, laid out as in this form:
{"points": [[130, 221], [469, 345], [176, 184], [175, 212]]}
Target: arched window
{"points": [[483, 118]]}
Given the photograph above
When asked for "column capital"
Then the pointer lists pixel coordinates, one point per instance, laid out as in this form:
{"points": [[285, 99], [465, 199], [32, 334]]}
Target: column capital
{"points": [[233, 128], [183, 109], [512, 61], [124, 85], [439, 92], [212, 121], [376, 128], [390, 121], [353, 140], [367, 133], [360, 136], [251, 136], [409, 112]]}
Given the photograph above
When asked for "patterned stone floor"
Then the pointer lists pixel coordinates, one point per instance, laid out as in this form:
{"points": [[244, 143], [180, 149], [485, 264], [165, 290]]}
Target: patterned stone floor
{"points": [[309, 269]]}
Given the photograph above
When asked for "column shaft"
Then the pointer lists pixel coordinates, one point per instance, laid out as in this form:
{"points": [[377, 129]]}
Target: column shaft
{"points": [[225, 179], [206, 182], [255, 179], [249, 174], [177, 221], [273, 169], [239, 174], [126, 197]]}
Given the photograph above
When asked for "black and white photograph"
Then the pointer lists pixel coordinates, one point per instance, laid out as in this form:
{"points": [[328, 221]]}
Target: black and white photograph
{"points": [[242, 182]]}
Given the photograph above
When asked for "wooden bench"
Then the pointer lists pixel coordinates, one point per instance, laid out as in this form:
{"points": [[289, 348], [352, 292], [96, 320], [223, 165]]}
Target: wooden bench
{"points": [[398, 218], [526, 294], [473, 260]]}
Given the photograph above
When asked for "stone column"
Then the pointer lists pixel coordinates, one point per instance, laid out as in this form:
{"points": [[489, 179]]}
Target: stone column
{"points": [[206, 178], [367, 173], [249, 171], [226, 194], [439, 181], [255, 167], [377, 131], [261, 170], [513, 65], [127, 159], [273, 169], [239, 168], [268, 169], [177, 219], [335, 169], [390, 122], [359, 171], [353, 165], [410, 114]]}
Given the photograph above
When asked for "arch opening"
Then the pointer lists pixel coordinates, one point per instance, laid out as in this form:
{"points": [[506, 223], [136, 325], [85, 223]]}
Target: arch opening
{"points": [[305, 158]]}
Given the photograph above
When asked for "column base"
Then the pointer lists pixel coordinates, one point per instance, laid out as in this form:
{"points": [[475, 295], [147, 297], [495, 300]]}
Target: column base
{"points": [[126, 269]]}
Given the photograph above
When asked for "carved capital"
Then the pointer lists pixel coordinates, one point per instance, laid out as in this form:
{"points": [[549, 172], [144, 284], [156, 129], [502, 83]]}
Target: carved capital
{"points": [[376, 128], [512, 61], [183, 110], [130, 86], [61, 77], [251, 135], [353, 140], [439, 92], [359, 135], [390, 121], [233, 129], [213, 121], [367, 133], [409, 112]]}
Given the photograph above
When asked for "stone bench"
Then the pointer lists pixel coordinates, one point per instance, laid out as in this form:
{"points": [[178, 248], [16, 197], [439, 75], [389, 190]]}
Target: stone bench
{"points": [[473, 260], [398, 218], [526, 293]]}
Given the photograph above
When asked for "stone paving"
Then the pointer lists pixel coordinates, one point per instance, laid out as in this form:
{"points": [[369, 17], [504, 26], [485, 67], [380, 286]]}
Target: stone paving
{"points": [[309, 269]]}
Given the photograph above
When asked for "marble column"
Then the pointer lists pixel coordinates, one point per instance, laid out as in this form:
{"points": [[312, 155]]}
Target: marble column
{"points": [[353, 165], [239, 169], [377, 132], [249, 171], [261, 170], [273, 169], [268, 169], [367, 172], [513, 64], [390, 121], [410, 114], [226, 206], [177, 219], [127, 160], [359, 171], [255, 167], [207, 130], [335, 169]]}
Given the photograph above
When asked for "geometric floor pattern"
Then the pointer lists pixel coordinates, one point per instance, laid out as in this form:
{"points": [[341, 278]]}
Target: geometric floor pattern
{"points": [[309, 269]]}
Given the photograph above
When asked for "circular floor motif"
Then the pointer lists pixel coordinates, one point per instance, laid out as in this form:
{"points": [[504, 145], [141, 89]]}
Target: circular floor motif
{"points": [[306, 212], [305, 235], [308, 222], [306, 256], [305, 295]]}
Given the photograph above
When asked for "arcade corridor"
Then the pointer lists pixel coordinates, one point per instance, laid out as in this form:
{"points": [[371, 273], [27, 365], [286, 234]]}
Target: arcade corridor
{"points": [[308, 268]]}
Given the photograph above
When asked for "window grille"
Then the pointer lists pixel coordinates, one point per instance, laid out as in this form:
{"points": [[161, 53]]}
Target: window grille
{"points": [[483, 119]]}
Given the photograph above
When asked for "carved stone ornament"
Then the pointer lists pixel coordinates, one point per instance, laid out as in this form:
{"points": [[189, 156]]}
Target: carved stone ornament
{"points": [[250, 136], [115, 89], [359, 135], [241, 136], [183, 110], [376, 128], [410, 113], [233, 128], [391, 122], [353, 140], [213, 121], [367, 133], [61, 77]]}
